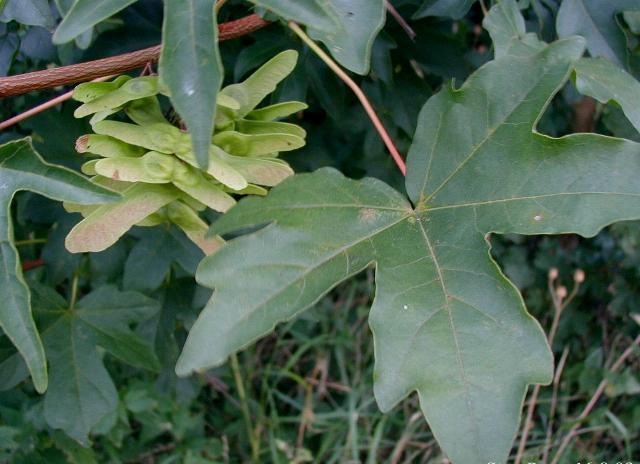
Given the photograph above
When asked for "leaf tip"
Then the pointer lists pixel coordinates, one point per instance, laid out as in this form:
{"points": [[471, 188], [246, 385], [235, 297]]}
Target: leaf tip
{"points": [[183, 369], [41, 384], [61, 35], [72, 244], [201, 147]]}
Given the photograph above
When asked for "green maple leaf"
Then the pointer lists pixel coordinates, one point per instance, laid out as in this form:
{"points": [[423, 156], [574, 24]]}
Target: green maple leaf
{"points": [[186, 26], [455, 9], [347, 28], [81, 391], [596, 21], [21, 168], [446, 321]]}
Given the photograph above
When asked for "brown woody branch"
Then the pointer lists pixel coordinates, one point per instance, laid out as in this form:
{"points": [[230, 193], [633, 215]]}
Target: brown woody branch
{"points": [[81, 72]]}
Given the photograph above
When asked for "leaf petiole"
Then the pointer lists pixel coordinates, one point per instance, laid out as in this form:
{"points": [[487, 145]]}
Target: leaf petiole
{"points": [[74, 292], [384, 135]]}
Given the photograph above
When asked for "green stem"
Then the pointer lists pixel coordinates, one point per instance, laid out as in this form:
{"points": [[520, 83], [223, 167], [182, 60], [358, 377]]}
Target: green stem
{"points": [[32, 241], [74, 292], [254, 441]]}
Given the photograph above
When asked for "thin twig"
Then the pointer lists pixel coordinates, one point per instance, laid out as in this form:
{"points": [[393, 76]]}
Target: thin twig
{"points": [[560, 302], [405, 438], [386, 138], [44, 106], [594, 400], [554, 403], [82, 72], [38, 109], [329, 385], [400, 20], [306, 415], [528, 424]]}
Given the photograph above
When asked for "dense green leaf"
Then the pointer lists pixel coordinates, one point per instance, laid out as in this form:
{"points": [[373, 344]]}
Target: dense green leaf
{"points": [[455, 9], [167, 419], [600, 79], [595, 77], [61, 265], [83, 40], [446, 321], [351, 43], [108, 313], [81, 391], [21, 168], [84, 14], [632, 18], [596, 21], [28, 12], [36, 45], [9, 44], [318, 13], [347, 27], [191, 68], [506, 26], [150, 259]]}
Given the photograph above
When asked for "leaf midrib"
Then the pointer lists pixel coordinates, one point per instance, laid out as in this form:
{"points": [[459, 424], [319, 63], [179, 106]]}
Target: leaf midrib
{"points": [[47, 181], [78, 372], [478, 146], [488, 136], [454, 333]]}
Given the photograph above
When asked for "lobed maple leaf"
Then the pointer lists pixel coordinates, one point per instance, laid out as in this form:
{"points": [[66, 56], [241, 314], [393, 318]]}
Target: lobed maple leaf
{"points": [[446, 321], [21, 168]]}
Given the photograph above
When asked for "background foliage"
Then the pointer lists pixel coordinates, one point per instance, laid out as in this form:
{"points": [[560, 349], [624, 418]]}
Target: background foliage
{"points": [[302, 394]]}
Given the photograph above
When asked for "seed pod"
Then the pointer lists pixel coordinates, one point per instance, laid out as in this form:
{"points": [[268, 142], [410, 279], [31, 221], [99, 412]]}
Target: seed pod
{"points": [[152, 163]]}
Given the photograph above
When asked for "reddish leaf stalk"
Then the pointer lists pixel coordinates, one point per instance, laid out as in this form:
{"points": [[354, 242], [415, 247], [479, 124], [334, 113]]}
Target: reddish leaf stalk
{"points": [[42, 107], [28, 265], [384, 135], [400, 20]]}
